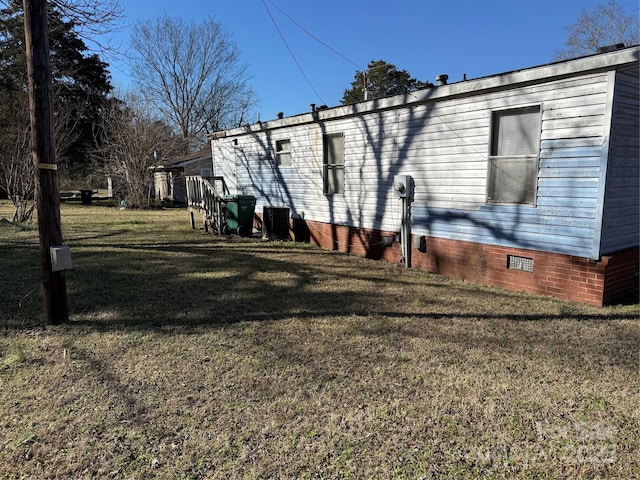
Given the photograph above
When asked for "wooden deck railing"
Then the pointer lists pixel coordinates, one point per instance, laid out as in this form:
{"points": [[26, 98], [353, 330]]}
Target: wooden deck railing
{"points": [[206, 196]]}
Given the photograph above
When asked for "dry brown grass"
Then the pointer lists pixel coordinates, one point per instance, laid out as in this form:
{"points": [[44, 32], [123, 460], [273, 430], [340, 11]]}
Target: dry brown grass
{"points": [[190, 356]]}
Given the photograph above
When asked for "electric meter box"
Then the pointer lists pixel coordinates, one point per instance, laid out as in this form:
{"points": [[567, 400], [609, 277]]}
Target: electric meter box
{"points": [[403, 186], [60, 258]]}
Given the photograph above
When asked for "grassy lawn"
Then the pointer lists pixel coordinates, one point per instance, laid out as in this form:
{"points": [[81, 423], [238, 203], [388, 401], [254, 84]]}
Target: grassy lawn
{"points": [[191, 356]]}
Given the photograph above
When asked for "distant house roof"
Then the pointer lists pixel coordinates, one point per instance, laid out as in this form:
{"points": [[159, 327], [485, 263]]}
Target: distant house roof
{"points": [[177, 164], [202, 153]]}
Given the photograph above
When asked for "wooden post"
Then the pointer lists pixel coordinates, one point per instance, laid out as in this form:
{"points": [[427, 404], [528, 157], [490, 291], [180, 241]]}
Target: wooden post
{"points": [[44, 161]]}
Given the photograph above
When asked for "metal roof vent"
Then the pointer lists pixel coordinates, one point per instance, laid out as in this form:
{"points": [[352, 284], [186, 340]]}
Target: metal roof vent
{"points": [[610, 48], [442, 79]]}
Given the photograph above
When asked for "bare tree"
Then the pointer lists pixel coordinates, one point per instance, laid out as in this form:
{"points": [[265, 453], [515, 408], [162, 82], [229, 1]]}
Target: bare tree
{"points": [[607, 24], [192, 73], [95, 16], [136, 140], [16, 166], [93, 19]]}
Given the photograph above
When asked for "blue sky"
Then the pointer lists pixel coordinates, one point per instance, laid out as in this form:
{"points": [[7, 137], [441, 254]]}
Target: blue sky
{"points": [[424, 37]]}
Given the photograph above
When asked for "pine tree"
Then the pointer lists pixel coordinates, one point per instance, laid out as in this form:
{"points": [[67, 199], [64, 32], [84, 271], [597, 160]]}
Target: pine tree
{"points": [[381, 79]]}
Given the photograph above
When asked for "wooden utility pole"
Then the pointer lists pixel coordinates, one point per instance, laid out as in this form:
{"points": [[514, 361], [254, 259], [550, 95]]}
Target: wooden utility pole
{"points": [[47, 194]]}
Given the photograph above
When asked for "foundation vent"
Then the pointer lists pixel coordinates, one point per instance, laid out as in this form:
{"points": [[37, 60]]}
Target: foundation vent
{"points": [[519, 263]]}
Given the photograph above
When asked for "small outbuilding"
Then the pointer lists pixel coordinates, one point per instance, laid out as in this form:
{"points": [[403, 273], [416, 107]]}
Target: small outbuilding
{"points": [[169, 180]]}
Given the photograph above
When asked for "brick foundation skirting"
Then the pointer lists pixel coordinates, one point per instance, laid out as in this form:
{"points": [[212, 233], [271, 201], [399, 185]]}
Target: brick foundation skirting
{"points": [[602, 282]]}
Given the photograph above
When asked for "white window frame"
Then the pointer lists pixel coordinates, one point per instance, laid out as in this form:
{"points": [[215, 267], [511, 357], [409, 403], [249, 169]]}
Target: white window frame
{"points": [[332, 167], [283, 153], [519, 159]]}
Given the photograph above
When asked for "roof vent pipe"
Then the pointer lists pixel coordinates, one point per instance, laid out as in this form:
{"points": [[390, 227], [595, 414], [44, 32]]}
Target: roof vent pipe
{"points": [[442, 79], [280, 115], [313, 107], [610, 48]]}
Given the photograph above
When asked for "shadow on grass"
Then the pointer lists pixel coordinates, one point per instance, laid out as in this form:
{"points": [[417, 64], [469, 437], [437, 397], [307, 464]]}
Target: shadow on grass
{"points": [[178, 287], [20, 285]]}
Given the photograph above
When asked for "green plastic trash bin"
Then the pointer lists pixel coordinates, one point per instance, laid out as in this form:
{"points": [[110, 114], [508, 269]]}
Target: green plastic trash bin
{"points": [[239, 213]]}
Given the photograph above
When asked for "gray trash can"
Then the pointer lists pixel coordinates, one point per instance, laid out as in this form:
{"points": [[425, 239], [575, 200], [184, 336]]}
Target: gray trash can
{"points": [[85, 195]]}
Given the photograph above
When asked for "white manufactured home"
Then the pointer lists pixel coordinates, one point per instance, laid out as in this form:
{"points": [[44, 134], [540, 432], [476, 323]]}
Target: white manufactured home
{"points": [[527, 180]]}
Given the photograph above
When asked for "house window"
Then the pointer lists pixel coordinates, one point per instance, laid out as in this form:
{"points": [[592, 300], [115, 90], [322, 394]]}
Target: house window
{"points": [[513, 159], [283, 153], [333, 163]]}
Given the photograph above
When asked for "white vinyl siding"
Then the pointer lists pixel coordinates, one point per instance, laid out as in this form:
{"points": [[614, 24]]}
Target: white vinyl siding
{"points": [[442, 138], [445, 146], [621, 222]]}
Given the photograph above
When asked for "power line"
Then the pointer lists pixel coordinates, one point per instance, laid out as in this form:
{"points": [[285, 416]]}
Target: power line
{"points": [[291, 52], [314, 37]]}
